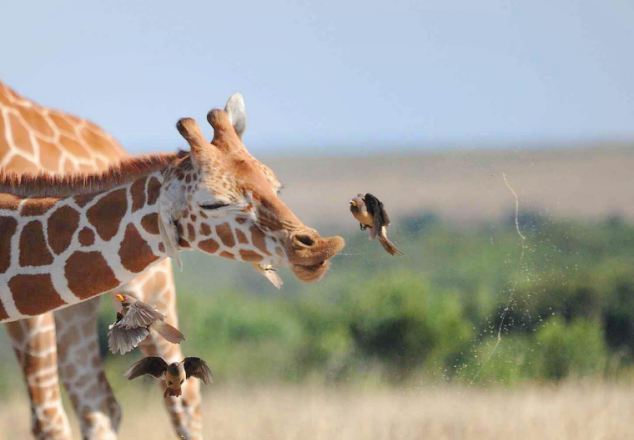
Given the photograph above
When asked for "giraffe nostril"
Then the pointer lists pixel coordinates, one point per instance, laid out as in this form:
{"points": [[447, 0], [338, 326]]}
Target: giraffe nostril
{"points": [[304, 239]]}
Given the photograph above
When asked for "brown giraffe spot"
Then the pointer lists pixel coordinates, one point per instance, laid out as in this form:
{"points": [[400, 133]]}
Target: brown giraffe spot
{"points": [[188, 178], [86, 168], [50, 155], [258, 239], [241, 237], [107, 213], [36, 206], [20, 134], [36, 121], [62, 224], [84, 199], [161, 247], [210, 245], [88, 274], [226, 254], [183, 243], [34, 294], [4, 98], [73, 147], [3, 312], [61, 122], [19, 164], [225, 234], [91, 135], [191, 233], [134, 252], [192, 217], [7, 229], [241, 220], [202, 214], [137, 191], [150, 223], [86, 236], [9, 201], [153, 190], [33, 249], [205, 229], [248, 255]]}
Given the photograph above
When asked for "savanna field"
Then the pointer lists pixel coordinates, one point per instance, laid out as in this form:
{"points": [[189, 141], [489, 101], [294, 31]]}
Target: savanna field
{"points": [[489, 326]]}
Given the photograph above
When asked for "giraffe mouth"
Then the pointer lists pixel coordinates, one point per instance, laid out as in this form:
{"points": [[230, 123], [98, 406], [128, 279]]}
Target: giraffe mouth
{"points": [[312, 272], [310, 259]]}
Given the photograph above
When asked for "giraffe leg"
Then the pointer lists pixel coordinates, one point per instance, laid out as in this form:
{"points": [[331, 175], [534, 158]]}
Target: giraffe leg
{"points": [[156, 287], [81, 369], [33, 341]]}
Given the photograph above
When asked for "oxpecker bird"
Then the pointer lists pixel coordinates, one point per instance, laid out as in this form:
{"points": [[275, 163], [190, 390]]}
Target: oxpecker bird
{"points": [[133, 324], [173, 374], [370, 213]]}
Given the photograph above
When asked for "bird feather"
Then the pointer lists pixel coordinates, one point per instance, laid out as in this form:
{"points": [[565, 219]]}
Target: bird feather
{"points": [[195, 366], [152, 365]]}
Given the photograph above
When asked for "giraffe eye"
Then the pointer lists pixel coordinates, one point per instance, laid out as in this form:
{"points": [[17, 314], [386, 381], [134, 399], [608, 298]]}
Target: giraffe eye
{"points": [[213, 205]]}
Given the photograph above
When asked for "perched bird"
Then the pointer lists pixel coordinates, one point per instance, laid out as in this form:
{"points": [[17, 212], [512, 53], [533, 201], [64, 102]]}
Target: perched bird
{"points": [[270, 274], [173, 374], [370, 213], [133, 324]]}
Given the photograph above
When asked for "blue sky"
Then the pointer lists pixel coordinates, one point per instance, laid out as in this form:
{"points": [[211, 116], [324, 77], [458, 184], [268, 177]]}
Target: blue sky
{"points": [[329, 76]]}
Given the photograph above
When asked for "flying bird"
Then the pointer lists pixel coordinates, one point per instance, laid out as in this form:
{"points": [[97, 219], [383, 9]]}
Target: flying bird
{"points": [[133, 324], [173, 374], [370, 213]]}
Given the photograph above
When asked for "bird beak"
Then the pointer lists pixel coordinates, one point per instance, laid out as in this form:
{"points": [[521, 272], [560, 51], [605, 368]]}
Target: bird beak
{"points": [[119, 297]]}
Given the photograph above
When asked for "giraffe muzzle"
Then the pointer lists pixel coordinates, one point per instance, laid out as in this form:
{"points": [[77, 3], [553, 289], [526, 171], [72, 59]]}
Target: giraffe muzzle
{"points": [[309, 254]]}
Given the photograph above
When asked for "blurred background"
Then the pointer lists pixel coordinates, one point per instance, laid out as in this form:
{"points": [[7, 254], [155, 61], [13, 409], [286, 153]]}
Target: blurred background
{"points": [[498, 134]]}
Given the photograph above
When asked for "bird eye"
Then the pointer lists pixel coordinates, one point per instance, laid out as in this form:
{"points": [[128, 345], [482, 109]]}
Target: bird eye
{"points": [[213, 205]]}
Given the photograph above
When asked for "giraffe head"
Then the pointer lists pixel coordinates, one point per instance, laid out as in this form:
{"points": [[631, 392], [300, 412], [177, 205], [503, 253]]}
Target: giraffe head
{"points": [[223, 201]]}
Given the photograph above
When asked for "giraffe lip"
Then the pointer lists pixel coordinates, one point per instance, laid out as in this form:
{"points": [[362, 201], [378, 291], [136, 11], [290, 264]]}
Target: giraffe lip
{"points": [[311, 272], [312, 266]]}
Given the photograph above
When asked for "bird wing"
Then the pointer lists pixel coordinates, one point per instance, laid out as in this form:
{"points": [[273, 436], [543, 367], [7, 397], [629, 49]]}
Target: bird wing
{"points": [[376, 210], [140, 314], [197, 367], [123, 340], [152, 365]]}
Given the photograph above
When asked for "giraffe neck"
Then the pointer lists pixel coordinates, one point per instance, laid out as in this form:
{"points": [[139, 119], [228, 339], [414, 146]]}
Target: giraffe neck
{"points": [[57, 252]]}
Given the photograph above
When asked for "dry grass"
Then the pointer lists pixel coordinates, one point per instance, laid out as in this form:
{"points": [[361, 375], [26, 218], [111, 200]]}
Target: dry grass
{"points": [[571, 411]]}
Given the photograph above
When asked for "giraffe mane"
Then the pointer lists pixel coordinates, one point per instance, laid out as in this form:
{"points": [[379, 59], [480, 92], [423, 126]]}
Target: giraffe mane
{"points": [[55, 185]]}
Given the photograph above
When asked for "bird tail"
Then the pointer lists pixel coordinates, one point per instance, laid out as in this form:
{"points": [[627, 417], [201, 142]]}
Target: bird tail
{"points": [[169, 332], [389, 246]]}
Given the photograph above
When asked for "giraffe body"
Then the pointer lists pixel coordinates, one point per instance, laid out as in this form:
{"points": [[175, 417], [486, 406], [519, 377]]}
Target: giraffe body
{"points": [[218, 199], [38, 139]]}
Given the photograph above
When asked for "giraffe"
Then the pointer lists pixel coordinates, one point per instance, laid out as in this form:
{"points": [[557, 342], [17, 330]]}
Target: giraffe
{"points": [[35, 138], [67, 239]]}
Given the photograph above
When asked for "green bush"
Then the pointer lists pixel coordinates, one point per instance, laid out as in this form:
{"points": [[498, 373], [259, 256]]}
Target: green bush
{"points": [[397, 322], [562, 349]]}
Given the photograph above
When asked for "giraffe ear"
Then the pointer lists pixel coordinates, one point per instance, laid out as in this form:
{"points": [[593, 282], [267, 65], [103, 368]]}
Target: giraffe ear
{"points": [[237, 112]]}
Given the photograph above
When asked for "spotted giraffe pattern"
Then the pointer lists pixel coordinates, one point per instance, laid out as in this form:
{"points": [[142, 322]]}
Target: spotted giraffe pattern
{"points": [[32, 139], [227, 187]]}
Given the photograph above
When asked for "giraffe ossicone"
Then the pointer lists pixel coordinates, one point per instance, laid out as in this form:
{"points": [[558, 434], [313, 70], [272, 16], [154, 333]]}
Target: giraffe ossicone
{"points": [[66, 239]]}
